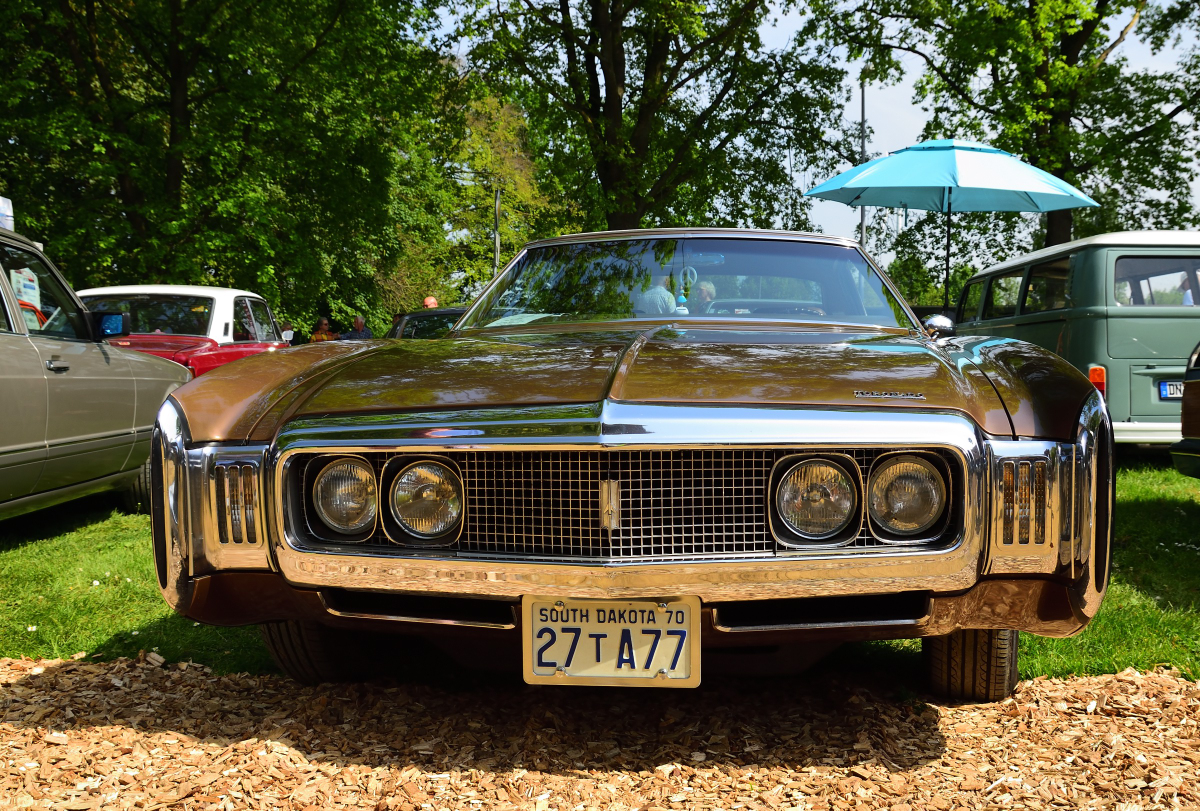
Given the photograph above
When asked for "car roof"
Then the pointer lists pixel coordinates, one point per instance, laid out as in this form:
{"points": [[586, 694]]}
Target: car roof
{"points": [[15, 237], [167, 290], [731, 233], [1117, 239]]}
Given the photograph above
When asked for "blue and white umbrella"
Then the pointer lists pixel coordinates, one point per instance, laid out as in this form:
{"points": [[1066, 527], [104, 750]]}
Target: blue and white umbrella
{"points": [[950, 176]]}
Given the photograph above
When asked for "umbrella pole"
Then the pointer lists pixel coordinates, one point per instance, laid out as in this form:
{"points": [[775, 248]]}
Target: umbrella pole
{"points": [[946, 284]]}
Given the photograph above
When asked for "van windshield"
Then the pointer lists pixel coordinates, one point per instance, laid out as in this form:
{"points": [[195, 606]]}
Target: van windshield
{"points": [[703, 278]]}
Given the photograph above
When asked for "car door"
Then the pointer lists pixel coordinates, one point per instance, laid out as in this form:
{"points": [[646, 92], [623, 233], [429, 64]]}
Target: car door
{"points": [[90, 395], [22, 403]]}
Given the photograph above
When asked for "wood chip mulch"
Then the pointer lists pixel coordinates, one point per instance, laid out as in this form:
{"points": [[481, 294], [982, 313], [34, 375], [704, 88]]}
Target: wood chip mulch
{"points": [[141, 734]]}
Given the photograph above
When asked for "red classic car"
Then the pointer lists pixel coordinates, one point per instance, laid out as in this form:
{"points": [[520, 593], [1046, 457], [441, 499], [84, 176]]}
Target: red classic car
{"points": [[199, 327]]}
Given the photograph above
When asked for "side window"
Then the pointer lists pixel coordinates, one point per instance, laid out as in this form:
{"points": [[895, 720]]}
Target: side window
{"points": [[1002, 295], [968, 302], [1157, 281], [1047, 288], [243, 321], [46, 306], [263, 323]]}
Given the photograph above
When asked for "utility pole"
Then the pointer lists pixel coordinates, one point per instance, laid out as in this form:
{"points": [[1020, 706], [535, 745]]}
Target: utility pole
{"points": [[496, 237], [862, 150]]}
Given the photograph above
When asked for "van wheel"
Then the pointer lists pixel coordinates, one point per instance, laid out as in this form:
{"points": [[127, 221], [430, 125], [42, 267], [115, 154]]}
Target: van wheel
{"points": [[312, 653], [972, 665], [136, 499]]}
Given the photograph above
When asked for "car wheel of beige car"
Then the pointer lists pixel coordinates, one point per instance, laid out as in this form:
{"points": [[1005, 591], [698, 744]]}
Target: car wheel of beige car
{"points": [[137, 498], [972, 665], [311, 653]]}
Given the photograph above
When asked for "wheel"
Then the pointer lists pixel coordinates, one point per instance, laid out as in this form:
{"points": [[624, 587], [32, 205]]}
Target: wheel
{"points": [[311, 653], [972, 665], [136, 499]]}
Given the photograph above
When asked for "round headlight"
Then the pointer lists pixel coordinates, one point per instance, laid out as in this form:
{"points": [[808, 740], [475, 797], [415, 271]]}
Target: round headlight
{"points": [[816, 499], [907, 495], [345, 496], [427, 499]]}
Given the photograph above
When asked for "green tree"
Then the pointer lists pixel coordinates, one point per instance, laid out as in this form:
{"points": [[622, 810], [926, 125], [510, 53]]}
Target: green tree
{"points": [[1046, 80], [267, 146], [663, 112]]}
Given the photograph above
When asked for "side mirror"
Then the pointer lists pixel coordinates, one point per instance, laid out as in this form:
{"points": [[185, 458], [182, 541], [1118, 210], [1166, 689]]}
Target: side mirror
{"points": [[939, 326], [111, 325]]}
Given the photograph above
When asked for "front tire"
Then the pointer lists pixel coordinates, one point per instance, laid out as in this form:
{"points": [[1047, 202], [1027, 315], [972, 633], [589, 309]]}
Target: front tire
{"points": [[311, 653], [972, 665], [136, 499]]}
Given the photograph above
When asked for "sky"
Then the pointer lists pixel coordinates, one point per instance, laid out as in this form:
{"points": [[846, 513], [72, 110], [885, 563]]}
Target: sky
{"points": [[895, 120]]}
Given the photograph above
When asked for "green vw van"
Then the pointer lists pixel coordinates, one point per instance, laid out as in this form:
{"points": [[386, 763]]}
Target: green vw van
{"points": [[1121, 307]]}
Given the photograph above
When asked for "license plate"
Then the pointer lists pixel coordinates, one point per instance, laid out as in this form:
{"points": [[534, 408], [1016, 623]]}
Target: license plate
{"points": [[627, 643], [1170, 390]]}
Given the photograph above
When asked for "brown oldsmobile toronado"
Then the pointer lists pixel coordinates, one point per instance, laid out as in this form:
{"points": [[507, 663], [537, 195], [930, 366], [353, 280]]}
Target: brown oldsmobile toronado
{"points": [[635, 448]]}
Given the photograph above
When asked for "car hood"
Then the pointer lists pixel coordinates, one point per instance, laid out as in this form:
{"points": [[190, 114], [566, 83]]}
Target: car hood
{"points": [[833, 368]]}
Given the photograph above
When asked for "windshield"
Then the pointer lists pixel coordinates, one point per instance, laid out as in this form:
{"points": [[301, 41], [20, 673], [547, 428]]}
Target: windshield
{"points": [[168, 315], [693, 278]]}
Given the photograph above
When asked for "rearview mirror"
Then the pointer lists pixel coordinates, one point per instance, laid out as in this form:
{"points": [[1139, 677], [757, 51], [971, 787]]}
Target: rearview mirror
{"points": [[111, 325], [939, 326]]}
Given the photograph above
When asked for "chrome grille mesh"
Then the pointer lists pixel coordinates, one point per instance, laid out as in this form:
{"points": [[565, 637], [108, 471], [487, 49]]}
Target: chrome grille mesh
{"points": [[676, 504], [686, 503]]}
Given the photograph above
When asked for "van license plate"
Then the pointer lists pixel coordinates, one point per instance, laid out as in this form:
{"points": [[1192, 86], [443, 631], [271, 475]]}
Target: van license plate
{"points": [[627, 643], [1170, 390]]}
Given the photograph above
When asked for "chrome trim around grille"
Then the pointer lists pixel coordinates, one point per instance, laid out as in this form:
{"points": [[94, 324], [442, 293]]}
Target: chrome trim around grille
{"points": [[550, 504], [625, 426]]}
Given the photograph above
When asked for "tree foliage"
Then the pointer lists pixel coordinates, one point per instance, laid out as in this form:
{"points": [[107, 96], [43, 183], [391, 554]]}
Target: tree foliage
{"points": [[1046, 80], [666, 112], [258, 145]]}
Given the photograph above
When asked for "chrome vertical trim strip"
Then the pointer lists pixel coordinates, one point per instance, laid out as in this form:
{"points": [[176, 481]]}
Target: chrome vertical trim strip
{"points": [[1017, 546]]}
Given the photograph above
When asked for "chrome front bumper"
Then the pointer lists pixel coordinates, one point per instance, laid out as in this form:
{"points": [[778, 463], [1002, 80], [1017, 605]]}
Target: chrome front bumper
{"points": [[223, 510]]}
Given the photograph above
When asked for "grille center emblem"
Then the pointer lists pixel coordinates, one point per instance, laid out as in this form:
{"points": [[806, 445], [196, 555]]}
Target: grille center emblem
{"points": [[610, 504]]}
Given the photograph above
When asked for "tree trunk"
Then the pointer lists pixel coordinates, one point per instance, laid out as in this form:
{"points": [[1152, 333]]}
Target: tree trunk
{"points": [[180, 116], [623, 220], [1058, 226]]}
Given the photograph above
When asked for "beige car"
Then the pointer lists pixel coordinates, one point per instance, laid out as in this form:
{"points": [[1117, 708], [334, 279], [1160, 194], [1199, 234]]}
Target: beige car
{"points": [[75, 413]]}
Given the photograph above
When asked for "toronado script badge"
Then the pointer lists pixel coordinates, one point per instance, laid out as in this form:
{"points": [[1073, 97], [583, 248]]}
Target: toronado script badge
{"points": [[610, 504], [890, 395]]}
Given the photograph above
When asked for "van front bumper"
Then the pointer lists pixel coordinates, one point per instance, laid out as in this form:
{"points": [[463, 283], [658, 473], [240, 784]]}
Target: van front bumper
{"points": [[1147, 433]]}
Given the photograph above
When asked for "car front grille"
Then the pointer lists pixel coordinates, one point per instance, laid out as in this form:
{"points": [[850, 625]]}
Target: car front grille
{"points": [[675, 504]]}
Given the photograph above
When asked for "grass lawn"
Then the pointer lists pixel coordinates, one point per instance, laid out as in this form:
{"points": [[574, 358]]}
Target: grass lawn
{"points": [[80, 578]]}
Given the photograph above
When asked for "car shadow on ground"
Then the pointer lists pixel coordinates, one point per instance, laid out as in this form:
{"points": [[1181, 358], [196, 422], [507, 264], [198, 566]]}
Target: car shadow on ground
{"points": [[437, 717]]}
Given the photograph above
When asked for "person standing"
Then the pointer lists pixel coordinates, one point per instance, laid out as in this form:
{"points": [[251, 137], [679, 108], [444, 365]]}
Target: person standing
{"points": [[430, 302], [361, 331], [323, 332]]}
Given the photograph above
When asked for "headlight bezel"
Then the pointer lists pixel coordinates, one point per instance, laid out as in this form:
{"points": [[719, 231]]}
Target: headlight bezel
{"points": [[937, 529], [393, 528], [320, 528], [782, 530]]}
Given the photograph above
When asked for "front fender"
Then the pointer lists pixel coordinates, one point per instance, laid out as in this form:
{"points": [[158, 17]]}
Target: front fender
{"points": [[249, 398], [1042, 393]]}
